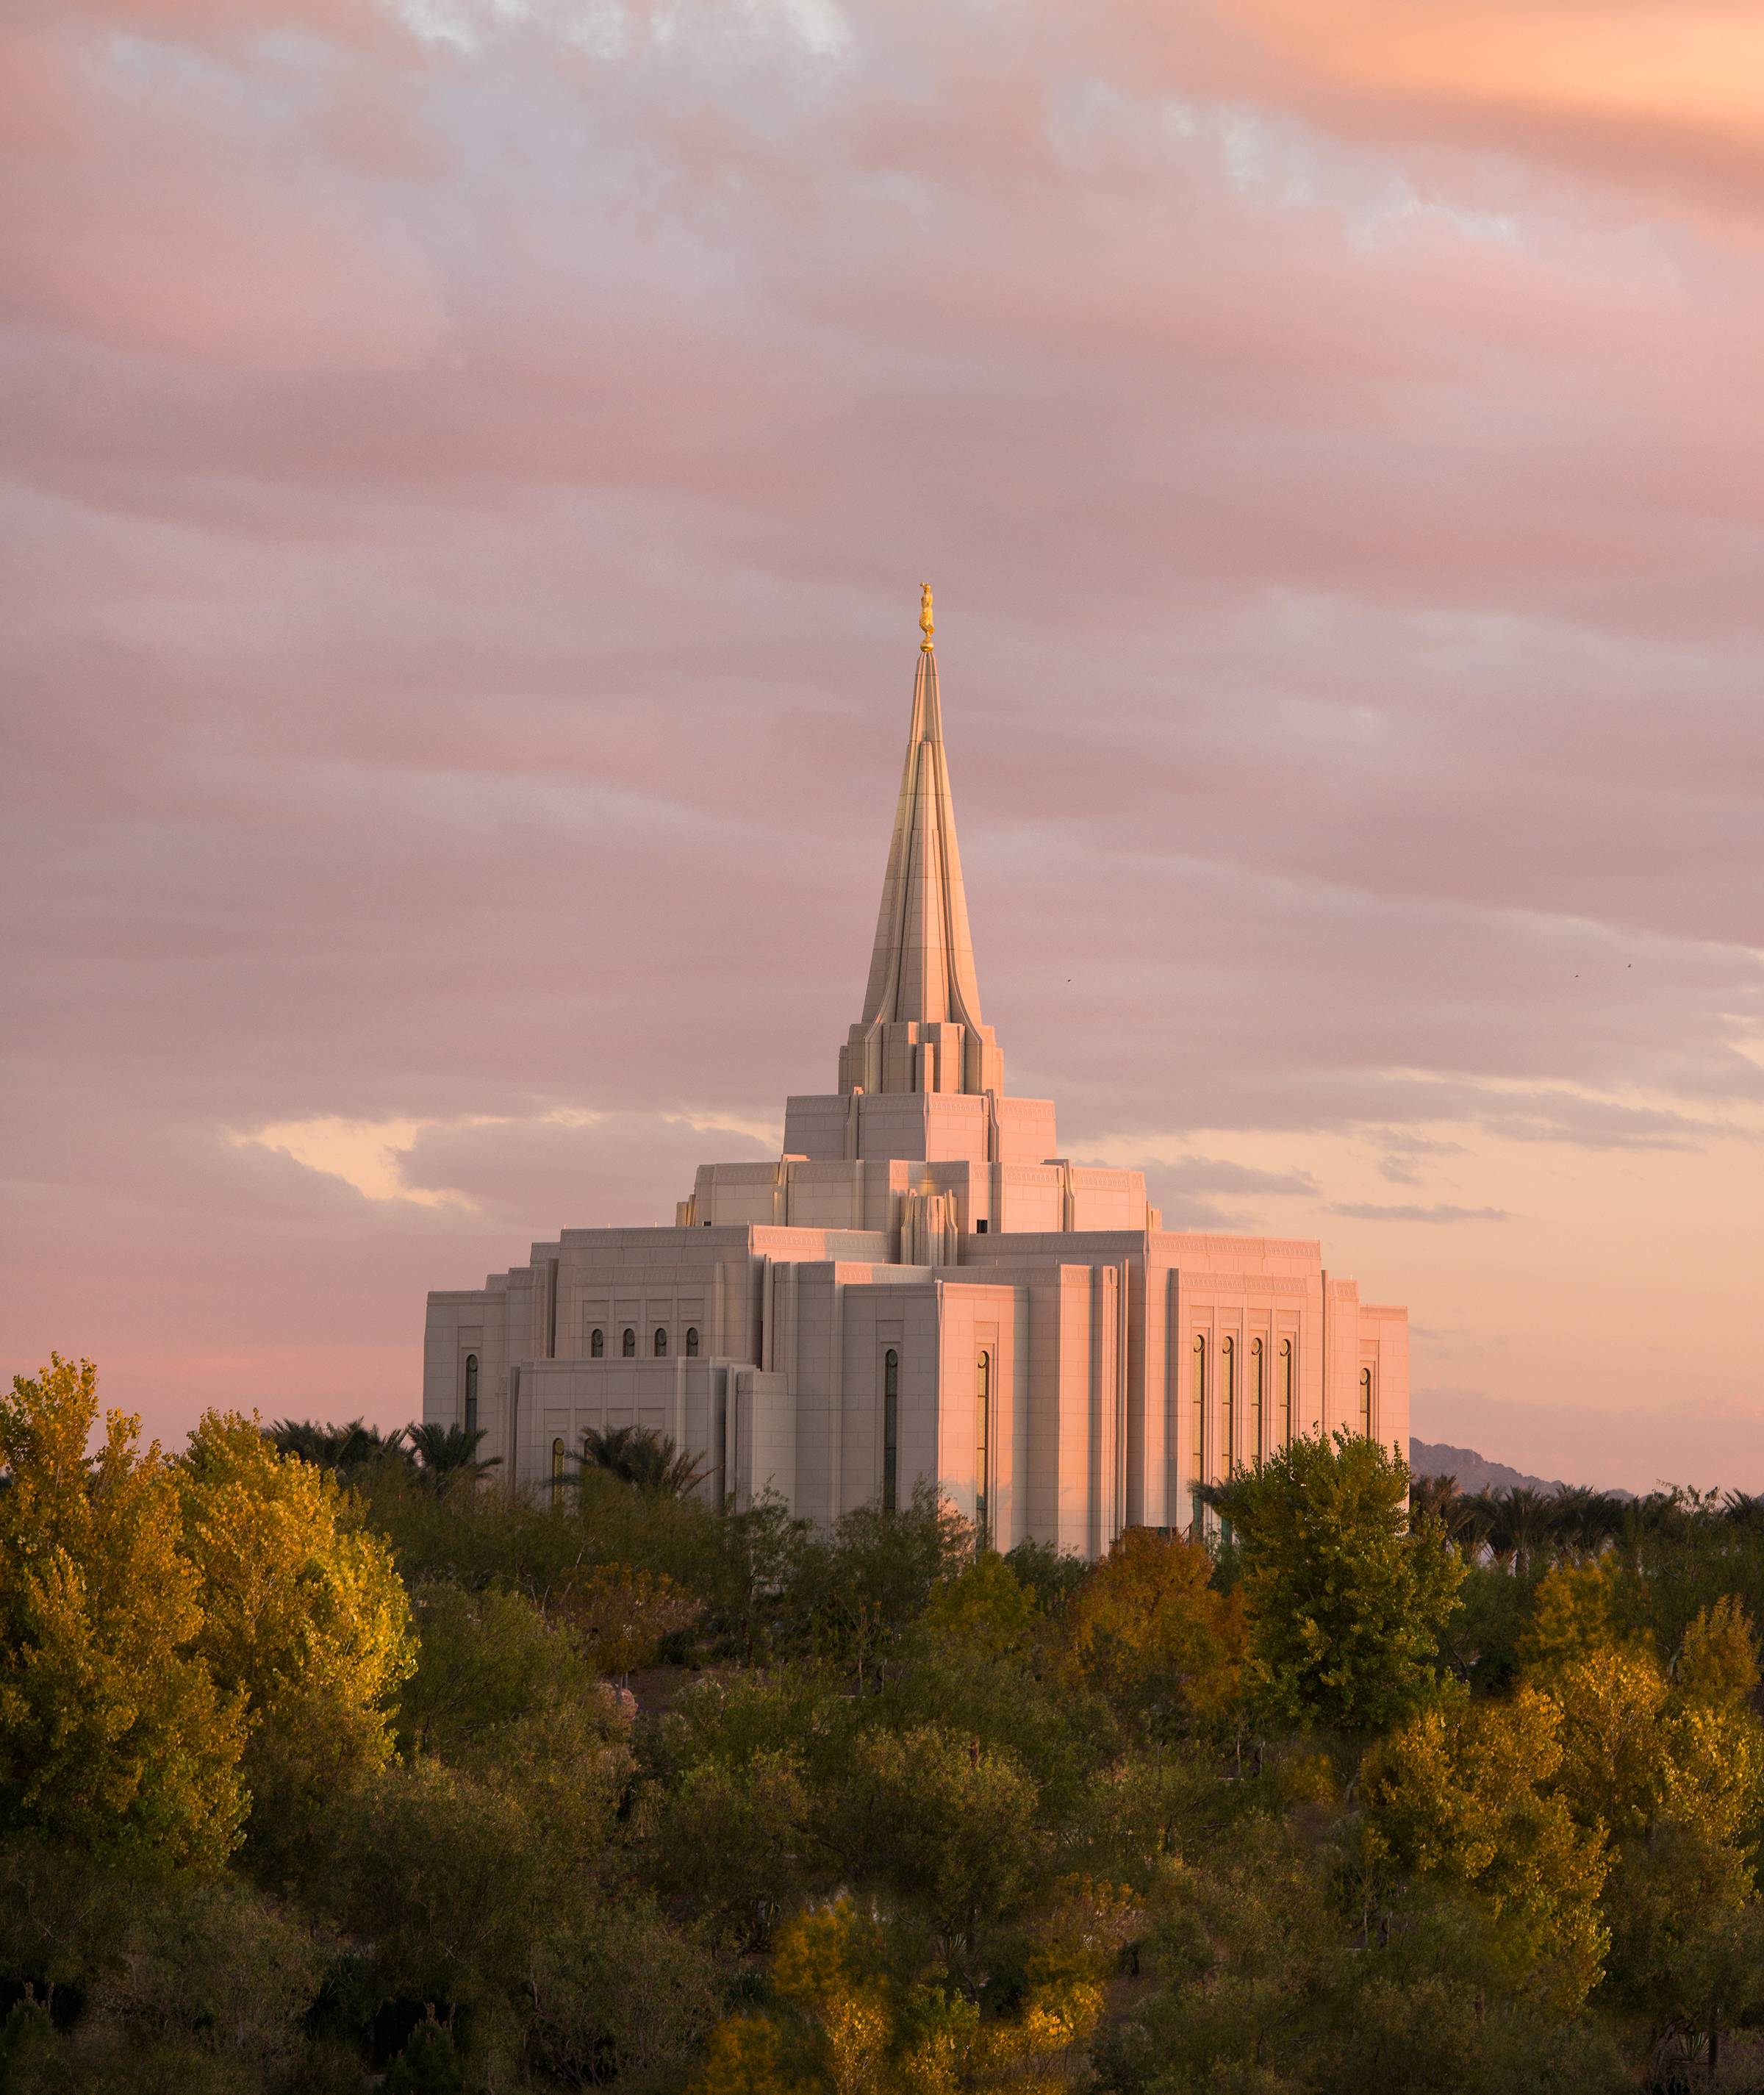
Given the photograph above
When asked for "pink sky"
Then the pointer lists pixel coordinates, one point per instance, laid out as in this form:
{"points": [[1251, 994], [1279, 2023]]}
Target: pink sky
{"points": [[467, 469]]}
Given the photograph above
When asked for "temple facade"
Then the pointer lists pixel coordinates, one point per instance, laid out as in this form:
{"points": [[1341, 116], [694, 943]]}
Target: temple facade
{"points": [[921, 1288]]}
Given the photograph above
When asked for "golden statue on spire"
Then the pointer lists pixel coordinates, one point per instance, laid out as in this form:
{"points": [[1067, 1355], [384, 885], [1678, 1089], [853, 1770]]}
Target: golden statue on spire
{"points": [[925, 626]]}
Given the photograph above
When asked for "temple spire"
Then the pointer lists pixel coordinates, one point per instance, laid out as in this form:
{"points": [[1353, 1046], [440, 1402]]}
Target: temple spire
{"points": [[921, 1029]]}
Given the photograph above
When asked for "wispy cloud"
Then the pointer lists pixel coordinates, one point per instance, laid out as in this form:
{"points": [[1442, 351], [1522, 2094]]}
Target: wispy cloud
{"points": [[1367, 1211]]}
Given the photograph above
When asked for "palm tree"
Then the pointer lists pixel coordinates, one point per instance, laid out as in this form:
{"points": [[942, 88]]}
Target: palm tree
{"points": [[646, 1460], [1455, 1510], [448, 1453], [1744, 1510], [340, 1450], [1586, 1519], [1526, 1525]]}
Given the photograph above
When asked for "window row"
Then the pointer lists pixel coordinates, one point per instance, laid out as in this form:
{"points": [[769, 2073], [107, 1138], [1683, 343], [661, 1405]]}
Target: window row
{"points": [[1232, 1448], [1229, 1450], [596, 1342]]}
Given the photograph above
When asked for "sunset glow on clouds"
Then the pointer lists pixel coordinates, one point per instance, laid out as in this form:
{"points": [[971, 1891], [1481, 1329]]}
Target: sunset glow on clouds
{"points": [[468, 467]]}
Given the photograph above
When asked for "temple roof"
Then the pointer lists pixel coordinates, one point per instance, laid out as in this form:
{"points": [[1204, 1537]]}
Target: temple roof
{"points": [[922, 965]]}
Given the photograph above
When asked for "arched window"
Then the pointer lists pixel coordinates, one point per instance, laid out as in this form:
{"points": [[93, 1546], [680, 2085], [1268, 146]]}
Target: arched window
{"points": [[557, 1462], [890, 1428], [983, 1405], [597, 1343], [1284, 1422], [628, 1344], [1253, 1422], [471, 1392], [1366, 1402], [1227, 1406], [692, 1342], [1197, 1409], [662, 1342]]}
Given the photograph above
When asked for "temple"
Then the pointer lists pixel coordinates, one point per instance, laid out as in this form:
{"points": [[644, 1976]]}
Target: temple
{"points": [[921, 1289]]}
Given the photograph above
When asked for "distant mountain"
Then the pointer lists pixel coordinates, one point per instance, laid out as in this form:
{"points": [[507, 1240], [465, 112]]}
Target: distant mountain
{"points": [[1474, 1472]]}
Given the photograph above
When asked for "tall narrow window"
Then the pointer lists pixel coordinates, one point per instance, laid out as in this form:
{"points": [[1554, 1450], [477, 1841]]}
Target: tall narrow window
{"points": [[662, 1342], [1366, 1402], [471, 1392], [1253, 1422], [597, 1343], [557, 1462], [1285, 1421], [1197, 1409], [890, 1428], [692, 1342], [1227, 1406], [983, 1404], [628, 1344]]}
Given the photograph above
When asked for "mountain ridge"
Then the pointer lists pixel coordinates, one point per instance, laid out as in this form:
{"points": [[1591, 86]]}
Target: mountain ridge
{"points": [[1477, 1473]]}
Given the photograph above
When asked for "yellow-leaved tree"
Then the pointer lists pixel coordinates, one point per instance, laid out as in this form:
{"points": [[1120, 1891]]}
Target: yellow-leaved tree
{"points": [[860, 2019], [1151, 1631], [302, 1614], [113, 1733], [1464, 1793]]}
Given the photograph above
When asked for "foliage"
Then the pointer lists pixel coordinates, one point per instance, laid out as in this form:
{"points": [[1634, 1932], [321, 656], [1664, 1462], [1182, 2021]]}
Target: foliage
{"points": [[447, 1455], [619, 1997], [1462, 1794], [485, 1660], [915, 1818], [946, 1824], [853, 1595], [345, 1452], [646, 1460], [984, 1606], [113, 1734], [1151, 1631], [1344, 1599], [428, 2065], [623, 1617], [302, 1616], [860, 2009]]}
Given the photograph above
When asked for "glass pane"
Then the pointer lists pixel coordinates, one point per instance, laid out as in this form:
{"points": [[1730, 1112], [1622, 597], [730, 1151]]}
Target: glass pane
{"points": [[1197, 1408]]}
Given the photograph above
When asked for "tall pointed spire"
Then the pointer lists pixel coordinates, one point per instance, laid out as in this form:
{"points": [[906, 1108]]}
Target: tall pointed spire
{"points": [[921, 1029]]}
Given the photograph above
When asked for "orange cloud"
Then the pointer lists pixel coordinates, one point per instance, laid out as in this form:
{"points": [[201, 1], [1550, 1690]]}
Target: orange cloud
{"points": [[1702, 64]]}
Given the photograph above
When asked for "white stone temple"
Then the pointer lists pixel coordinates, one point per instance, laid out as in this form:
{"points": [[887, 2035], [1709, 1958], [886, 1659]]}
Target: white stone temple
{"points": [[920, 1287]]}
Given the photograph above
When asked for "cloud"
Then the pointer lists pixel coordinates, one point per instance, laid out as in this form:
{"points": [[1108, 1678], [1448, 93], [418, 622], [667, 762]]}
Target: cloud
{"points": [[466, 476], [1364, 1211]]}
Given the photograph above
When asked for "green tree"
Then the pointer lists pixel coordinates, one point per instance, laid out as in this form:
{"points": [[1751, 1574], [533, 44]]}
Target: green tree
{"points": [[646, 1460], [428, 2065], [113, 1735], [983, 1605], [947, 1823], [448, 1455], [1345, 1597]]}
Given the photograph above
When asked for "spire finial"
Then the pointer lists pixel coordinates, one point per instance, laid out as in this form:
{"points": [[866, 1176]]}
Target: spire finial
{"points": [[925, 626]]}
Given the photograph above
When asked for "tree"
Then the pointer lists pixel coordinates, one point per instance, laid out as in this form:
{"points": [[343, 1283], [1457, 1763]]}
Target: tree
{"points": [[113, 1735], [1345, 1597], [303, 1613], [982, 1604], [428, 2065], [648, 1461], [1150, 1630], [1462, 1794], [345, 1451], [624, 1616], [947, 1823], [448, 1455]]}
